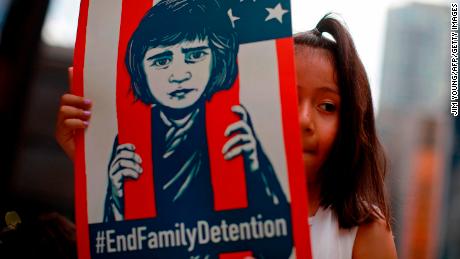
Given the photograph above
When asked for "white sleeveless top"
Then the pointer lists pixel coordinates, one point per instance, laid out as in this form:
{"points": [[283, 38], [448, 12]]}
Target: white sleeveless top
{"points": [[327, 239]]}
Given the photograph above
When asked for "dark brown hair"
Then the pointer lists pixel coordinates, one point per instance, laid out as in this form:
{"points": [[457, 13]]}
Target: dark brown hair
{"points": [[352, 178], [199, 20]]}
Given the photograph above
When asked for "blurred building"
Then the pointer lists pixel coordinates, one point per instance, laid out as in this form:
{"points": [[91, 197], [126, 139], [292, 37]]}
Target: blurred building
{"points": [[38, 176], [452, 233], [4, 4], [43, 176], [416, 126]]}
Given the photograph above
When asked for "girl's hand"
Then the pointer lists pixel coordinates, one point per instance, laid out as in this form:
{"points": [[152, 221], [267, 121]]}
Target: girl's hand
{"points": [[243, 142], [126, 163], [74, 114]]}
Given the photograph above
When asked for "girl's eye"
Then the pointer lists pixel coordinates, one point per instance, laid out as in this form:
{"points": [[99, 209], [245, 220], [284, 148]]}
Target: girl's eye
{"points": [[161, 62], [328, 107], [195, 56]]}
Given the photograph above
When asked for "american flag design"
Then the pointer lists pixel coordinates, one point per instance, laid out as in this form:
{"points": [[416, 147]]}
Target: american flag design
{"points": [[264, 84]]}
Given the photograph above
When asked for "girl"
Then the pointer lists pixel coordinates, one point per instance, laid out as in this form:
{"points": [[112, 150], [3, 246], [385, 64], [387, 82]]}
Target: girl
{"points": [[345, 163]]}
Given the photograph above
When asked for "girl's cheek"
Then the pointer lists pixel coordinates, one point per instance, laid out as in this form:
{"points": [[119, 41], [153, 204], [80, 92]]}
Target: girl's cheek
{"points": [[329, 134]]}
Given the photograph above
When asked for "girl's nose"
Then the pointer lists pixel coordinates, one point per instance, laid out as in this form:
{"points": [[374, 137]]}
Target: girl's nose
{"points": [[179, 77], [306, 117]]}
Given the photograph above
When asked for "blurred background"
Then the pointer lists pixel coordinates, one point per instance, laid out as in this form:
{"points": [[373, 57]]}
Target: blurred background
{"points": [[404, 45]]}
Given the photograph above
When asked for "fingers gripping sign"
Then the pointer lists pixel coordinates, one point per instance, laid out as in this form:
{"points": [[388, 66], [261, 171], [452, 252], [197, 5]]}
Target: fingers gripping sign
{"points": [[73, 115], [242, 141], [126, 163]]}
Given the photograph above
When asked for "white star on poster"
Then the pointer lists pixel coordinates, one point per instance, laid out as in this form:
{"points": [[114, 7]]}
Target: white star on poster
{"points": [[232, 18], [276, 13]]}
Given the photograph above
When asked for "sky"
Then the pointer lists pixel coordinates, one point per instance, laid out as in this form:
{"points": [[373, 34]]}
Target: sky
{"points": [[365, 20]]}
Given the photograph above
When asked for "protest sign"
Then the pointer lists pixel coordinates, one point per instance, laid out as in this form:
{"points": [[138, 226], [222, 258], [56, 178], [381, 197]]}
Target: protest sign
{"points": [[193, 149]]}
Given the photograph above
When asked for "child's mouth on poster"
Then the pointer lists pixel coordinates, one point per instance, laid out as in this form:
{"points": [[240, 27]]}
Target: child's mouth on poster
{"points": [[180, 93]]}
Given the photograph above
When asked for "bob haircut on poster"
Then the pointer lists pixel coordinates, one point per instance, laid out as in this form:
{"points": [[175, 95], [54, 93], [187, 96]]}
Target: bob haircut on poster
{"points": [[184, 24]]}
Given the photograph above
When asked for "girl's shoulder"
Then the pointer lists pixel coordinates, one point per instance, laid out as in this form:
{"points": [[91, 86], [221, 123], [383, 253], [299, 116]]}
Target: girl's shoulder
{"points": [[374, 240], [368, 240], [327, 238]]}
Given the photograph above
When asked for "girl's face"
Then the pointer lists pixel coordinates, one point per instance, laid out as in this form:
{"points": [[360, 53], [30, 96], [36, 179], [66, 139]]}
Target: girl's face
{"points": [[319, 106], [177, 75]]}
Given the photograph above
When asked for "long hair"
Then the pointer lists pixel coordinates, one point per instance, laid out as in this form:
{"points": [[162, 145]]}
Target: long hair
{"points": [[171, 22], [352, 177]]}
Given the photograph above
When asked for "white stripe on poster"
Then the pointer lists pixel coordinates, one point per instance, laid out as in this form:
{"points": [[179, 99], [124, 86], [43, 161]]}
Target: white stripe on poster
{"points": [[259, 93], [100, 71]]}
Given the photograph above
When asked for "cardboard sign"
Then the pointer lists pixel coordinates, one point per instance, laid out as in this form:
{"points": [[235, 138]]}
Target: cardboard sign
{"points": [[193, 150]]}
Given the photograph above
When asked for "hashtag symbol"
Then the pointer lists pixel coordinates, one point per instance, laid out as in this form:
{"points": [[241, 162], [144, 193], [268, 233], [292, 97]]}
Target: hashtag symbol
{"points": [[100, 242]]}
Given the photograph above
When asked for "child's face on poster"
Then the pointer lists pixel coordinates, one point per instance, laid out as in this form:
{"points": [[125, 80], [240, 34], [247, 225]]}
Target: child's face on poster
{"points": [[177, 75]]}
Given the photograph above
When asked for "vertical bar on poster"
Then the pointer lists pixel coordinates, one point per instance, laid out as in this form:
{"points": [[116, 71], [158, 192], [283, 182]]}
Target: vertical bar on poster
{"points": [[296, 171], [236, 255], [134, 120], [258, 66], [99, 80], [227, 176], [81, 215]]}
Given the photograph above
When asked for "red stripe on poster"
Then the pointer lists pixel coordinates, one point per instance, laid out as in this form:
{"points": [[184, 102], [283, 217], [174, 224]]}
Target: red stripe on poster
{"points": [[227, 176], [81, 213], [291, 132], [236, 255], [139, 194]]}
